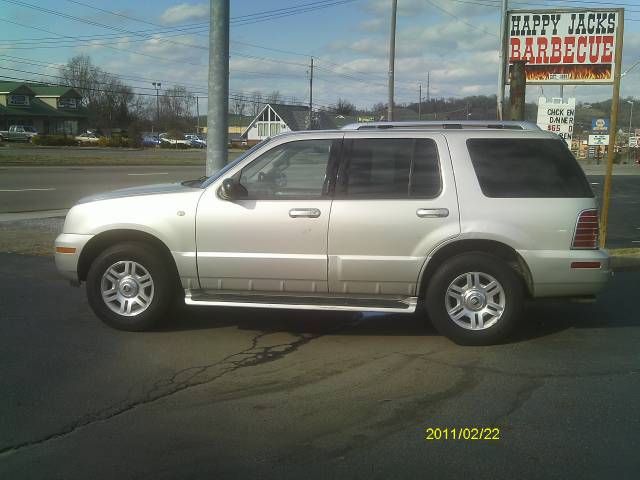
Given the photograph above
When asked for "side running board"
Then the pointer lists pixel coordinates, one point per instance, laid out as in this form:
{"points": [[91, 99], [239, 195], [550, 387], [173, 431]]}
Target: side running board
{"points": [[298, 302]]}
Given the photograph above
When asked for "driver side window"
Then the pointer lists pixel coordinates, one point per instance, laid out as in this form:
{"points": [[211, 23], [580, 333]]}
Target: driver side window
{"points": [[294, 169]]}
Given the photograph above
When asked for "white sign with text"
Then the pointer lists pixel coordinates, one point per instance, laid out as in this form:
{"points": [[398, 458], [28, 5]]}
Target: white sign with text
{"points": [[557, 115]]}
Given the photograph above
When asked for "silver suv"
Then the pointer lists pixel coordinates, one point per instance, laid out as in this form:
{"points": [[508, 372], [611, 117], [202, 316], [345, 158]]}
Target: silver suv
{"points": [[467, 220]]}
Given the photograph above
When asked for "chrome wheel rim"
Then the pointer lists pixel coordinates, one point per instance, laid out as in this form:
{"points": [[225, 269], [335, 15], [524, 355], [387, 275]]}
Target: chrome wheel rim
{"points": [[127, 288], [475, 301]]}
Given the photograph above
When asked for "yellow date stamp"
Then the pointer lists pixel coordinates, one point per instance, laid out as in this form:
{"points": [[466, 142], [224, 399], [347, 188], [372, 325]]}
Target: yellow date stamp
{"points": [[462, 433]]}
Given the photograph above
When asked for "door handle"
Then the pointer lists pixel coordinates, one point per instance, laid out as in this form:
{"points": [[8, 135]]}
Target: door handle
{"points": [[304, 213], [432, 212]]}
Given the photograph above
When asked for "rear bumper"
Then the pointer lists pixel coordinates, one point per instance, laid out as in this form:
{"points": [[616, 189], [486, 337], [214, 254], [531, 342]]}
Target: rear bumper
{"points": [[67, 263], [552, 273]]}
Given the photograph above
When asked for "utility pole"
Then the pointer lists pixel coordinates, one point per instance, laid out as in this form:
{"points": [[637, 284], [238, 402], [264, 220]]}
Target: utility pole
{"points": [[517, 90], [502, 57], [157, 86], [311, 95], [392, 56], [630, 118], [428, 85], [419, 101], [613, 130], [218, 108], [197, 115]]}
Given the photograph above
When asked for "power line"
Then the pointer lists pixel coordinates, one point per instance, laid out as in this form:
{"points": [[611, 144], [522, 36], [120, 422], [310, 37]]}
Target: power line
{"points": [[460, 19]]}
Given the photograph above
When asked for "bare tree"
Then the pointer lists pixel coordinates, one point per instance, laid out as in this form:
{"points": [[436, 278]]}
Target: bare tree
{"points": [[257, 102], [239, 104], [344, 107], [176, 107], [274, 97], [106, 96]]}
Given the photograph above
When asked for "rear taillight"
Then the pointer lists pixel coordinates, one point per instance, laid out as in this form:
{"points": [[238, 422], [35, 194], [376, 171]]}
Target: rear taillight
{"points": [[587, 230]]}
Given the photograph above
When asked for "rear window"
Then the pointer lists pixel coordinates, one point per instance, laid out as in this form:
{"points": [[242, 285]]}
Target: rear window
{"points": [[522, 167]]}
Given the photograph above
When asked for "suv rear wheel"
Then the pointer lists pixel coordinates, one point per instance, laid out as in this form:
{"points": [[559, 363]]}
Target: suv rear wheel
{"points": [[129, 287], [475, 299]]}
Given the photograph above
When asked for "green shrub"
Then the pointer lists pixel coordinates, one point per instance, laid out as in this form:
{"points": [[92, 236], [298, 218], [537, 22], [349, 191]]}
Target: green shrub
{"points": [[54, 140], [175, 146], [118, 142]]}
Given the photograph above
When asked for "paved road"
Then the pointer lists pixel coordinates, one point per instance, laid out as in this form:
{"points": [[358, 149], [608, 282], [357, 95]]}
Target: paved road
{"points": [[624, 213], [45, 153], [233, 394], [52, 188]]}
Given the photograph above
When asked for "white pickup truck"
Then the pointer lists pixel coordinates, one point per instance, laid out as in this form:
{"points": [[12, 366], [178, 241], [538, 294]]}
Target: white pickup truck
{"points": [[18, 133]]}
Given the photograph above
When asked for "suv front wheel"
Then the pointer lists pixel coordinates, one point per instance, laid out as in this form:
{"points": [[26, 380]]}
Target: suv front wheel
{"points": [[129, 287], [474, 299]]}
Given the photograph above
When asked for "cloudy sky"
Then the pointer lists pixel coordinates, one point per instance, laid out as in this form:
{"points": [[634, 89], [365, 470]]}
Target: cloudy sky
{"points": [[272, 41]]}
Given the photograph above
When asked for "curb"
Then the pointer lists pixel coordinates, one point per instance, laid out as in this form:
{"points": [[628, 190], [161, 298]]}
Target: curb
{"points": [[625, 263]]}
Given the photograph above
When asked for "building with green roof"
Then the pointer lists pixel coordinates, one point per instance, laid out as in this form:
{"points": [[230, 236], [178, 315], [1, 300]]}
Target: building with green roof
{"points": [[49, 109]]}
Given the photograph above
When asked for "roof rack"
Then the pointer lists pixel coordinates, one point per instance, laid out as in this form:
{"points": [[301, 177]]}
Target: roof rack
{"points": [[446, 124]]}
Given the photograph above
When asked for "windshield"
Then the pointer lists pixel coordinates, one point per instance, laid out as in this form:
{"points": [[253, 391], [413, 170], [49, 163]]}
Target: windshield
{"points": [[229, 166]]}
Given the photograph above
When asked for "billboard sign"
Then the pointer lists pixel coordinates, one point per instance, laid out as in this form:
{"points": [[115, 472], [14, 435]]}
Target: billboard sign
{"points": [[565, 46], [598, 139], [557, 116], [600, 125]]}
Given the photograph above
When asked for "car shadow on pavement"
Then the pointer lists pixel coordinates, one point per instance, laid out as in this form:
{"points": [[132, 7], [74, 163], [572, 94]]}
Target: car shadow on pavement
{"points": [[537, 322], [612, 309]]}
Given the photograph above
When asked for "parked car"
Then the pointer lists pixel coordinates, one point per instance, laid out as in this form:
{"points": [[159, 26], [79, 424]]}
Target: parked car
{"points": [[150, 141], [18, 133], [174, 141], [196, 141], [461, 222], [87, 138]]}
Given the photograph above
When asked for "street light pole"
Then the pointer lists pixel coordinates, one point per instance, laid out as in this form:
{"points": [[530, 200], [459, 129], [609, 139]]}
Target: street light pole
{"points": [[629, 141], [392, 57], [157, 86], [218, 106]]}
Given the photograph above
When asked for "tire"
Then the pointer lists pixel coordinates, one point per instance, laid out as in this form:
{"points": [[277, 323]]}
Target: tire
{"points": [[139, 286], [479, 315]]}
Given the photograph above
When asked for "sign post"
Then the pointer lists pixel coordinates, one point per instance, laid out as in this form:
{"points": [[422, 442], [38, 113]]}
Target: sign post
{"points": [[572, 46], [615, 100]]}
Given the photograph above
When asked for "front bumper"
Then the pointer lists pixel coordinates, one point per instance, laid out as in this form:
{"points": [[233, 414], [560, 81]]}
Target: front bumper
{"points": [[67, 263], [552, 273]]}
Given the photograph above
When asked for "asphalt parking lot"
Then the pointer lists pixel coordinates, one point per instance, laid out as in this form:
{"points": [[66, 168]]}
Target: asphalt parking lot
{"points": [[229, 393]]}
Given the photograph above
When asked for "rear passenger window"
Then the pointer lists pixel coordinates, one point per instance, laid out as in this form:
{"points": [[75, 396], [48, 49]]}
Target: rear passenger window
{"points": [[531, 168], [391, 168]]}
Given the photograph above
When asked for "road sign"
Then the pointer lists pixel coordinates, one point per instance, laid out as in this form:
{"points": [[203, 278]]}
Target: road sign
{"points": [[600, 125], [598, 139], [633, 142], [557, 115], [566, 46]]}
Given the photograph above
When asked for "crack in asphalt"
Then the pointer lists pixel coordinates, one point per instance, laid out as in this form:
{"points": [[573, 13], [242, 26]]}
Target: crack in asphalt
{"points": [[197, 375]]}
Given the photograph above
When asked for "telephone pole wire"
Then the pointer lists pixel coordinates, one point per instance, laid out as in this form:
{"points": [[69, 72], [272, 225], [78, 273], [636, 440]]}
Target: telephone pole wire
{"points": [[218, 107], [392, 56]]}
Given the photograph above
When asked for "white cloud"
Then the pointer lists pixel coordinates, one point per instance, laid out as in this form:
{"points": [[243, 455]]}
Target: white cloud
{"points": [[185, 12]]}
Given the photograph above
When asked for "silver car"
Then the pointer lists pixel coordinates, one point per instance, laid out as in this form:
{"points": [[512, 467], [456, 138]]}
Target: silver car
{"points": [[463, 222]]}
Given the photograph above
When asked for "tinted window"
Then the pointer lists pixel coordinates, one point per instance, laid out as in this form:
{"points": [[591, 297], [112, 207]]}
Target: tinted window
{"points": [[522, 167], [391, 167], [294, 169]]}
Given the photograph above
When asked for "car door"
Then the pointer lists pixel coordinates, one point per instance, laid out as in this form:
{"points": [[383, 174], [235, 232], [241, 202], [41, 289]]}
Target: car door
{"points": [[275, 239], [395, 201]]}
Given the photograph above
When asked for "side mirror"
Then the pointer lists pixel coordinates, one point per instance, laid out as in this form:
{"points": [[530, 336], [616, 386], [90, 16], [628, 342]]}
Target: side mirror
{"points": [[231, 189]]}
